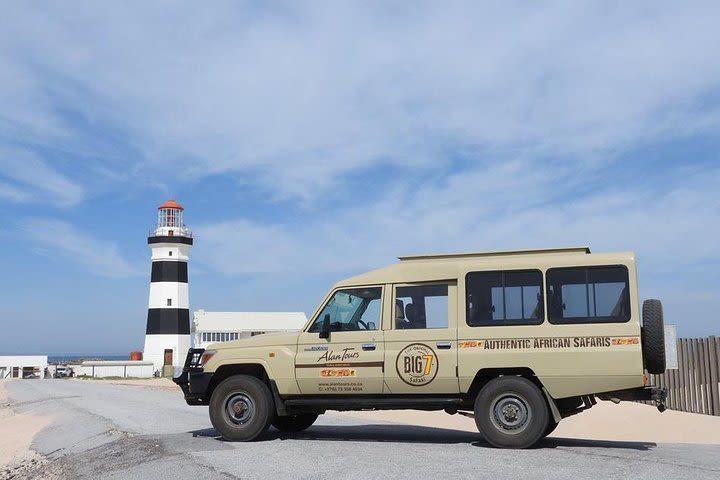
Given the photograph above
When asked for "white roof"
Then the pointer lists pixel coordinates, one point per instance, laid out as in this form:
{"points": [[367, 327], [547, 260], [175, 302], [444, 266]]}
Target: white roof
{"points": [[247, 321]]}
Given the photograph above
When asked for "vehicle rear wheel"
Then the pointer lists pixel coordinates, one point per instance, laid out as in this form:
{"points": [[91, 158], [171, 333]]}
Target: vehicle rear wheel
{"points": [[241, 408], [653, 336], [294, 423], [511, 412]]}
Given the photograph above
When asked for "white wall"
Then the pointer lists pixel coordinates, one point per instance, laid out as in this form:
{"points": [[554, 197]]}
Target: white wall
{"points": [[155, 346], [21, 361], [140, 369], [161, 291]]}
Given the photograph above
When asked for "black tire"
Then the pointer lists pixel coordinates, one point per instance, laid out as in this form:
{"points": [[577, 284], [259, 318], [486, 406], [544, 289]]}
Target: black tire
{"points": [[241, 408], [511, 412], [653, 336], [294, 423]]}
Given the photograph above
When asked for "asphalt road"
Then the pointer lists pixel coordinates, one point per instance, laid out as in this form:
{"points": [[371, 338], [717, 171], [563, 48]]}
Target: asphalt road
{"points": [[103, 431]]}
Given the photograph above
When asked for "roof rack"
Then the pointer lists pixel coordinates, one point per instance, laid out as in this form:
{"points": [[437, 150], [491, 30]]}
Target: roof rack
{"points": [[539, 251]]}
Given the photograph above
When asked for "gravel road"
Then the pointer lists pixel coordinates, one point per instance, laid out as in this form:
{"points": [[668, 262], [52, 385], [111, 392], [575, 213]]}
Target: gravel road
{"points": [[103, 431]]}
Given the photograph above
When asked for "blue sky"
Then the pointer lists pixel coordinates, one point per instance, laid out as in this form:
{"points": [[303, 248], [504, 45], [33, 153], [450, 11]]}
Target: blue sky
{"points": [[310, 141]]}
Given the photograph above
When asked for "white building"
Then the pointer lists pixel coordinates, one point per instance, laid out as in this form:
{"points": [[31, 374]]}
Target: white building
{"points": [[23, 366], [213, 327], [121, 368], [167, 335]]}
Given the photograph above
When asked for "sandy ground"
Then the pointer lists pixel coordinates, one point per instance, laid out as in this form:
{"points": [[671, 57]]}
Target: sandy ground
{"points": [[16, 435], [605, 421]]}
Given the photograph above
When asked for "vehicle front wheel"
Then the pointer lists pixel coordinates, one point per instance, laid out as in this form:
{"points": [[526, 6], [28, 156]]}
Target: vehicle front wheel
{"points": [[294, 423], [241, 408], [511, 412]]}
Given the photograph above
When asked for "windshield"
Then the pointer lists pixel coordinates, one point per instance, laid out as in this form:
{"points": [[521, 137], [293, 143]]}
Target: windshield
{"points": [[351, 309]]}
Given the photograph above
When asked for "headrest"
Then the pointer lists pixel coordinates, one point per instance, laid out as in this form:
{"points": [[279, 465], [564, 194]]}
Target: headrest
{"points": [[399, 310], [411, 312]]}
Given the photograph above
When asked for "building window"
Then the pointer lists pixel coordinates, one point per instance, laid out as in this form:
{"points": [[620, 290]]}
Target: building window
{"points": [[504, 298], [169, 302], [170, 253]]}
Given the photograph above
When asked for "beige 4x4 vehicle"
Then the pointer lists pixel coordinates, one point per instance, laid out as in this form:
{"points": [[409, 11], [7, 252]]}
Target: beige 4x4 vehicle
{"points": [[518, 340]]}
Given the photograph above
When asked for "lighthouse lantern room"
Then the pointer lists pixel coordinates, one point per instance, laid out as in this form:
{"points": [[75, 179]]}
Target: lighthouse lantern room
{"points": [[167, 335]]}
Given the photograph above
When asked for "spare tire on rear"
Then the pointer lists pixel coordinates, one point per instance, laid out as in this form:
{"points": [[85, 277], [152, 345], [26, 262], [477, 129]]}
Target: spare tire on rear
{"points": [[653, 336]]}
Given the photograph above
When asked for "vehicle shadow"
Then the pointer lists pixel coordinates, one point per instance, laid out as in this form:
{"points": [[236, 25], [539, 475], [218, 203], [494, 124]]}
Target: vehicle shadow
{"points": [[554, 442], [419, 434], [365, 433]]}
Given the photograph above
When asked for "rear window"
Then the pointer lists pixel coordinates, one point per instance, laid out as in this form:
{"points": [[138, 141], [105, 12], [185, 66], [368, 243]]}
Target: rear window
{"points": [[588, 295], [504, 298]]}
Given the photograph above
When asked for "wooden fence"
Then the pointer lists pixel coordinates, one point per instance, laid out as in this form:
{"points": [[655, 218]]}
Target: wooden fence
{"points": [[693, 386]]}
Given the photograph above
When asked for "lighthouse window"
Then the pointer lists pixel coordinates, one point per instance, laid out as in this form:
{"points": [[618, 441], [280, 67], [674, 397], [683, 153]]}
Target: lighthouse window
{"points": [[169, 302], [170, 253]]}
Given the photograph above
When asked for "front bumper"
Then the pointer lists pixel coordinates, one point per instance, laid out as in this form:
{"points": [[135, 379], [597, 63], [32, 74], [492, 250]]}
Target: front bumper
{"points": [[193, 381]]}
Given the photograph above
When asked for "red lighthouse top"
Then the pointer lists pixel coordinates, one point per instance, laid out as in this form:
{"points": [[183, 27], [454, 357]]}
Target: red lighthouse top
{"points": [[171, 204]]}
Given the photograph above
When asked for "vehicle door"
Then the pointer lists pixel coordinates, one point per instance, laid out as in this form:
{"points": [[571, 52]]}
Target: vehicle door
{"points": [[421, 342], [341, 352]]}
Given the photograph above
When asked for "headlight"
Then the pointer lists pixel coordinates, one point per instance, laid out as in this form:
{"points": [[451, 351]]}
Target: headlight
{"points": [[206, 356]]}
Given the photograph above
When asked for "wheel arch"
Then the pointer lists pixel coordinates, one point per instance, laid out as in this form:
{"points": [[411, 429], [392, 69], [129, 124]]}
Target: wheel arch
{"points": [[484, 375], [252, 369]]}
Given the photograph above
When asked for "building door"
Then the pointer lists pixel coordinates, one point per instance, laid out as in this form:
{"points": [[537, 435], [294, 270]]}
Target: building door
{"points": [[168, 357], [350, 360], [421, 347]]}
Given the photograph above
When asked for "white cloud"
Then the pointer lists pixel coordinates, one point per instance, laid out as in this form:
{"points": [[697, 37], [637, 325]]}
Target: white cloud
{"points": [[502, 207], [35, 180], [13, 194], [55, 238], [299, 97]]}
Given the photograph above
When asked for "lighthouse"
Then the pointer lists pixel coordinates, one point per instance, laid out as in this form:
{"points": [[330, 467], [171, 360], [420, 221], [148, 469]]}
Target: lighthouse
{"points": [[167, 335]]}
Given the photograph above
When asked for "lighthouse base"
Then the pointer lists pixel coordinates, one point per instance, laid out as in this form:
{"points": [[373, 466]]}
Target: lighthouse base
{"points": [[166, 350]]}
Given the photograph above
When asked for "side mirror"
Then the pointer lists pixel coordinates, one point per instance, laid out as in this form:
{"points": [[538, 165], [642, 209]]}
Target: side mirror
{"points": [[325, 332]]}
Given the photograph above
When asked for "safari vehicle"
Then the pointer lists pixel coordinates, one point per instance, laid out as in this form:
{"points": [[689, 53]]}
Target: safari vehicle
{"points": [[518, 340]]}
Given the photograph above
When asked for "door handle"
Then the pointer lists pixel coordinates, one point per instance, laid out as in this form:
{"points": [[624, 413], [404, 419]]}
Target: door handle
{"points": [[368, 346], [443, 345]]}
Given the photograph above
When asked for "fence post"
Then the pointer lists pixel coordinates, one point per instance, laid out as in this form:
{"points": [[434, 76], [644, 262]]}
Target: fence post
{"points": [[701, 376], [675, 378], [714, 365], [706, 375], [682, 373], [705, 383], [694, 377]]}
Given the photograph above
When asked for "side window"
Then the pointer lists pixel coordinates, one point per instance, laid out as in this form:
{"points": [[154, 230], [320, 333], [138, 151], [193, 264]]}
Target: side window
{"points": [[421, 306], [350, 310], [588, 295], [512, 297]]}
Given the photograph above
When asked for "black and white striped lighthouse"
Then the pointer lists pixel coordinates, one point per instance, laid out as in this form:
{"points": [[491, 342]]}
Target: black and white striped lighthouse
{"points": [[167, 336]]}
